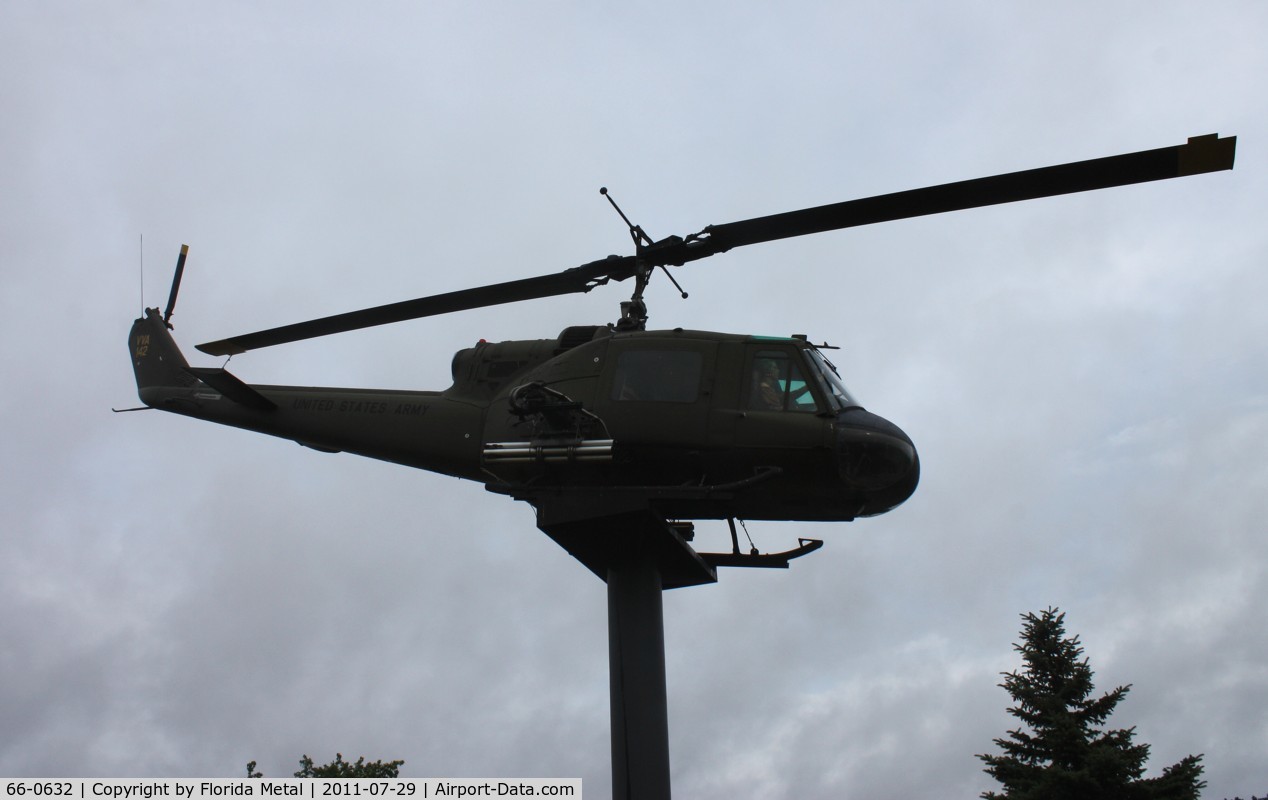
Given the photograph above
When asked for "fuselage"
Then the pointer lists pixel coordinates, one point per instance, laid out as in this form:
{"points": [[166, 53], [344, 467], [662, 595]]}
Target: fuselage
{"points": [[698, 425]]}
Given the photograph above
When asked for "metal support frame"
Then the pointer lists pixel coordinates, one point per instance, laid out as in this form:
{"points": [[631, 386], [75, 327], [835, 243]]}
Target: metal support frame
{"points": [[640, 554], [636, 668]]}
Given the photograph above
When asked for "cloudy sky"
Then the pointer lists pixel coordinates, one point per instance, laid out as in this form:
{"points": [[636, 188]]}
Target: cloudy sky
{"points": [[1084, 378]]}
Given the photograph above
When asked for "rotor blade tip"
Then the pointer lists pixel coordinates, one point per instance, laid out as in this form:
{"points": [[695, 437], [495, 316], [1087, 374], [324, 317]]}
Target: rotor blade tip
{"points": [[225, 347], [1208, 153]]}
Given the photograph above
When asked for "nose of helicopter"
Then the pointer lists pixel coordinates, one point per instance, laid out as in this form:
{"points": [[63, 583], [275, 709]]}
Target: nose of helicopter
{"points": [[876, 458]]}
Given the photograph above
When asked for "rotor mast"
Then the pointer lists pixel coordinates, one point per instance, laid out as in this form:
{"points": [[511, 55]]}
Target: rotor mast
{"points": [[634, 310]]}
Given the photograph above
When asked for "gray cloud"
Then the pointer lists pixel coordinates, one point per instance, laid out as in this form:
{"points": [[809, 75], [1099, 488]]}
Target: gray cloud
{"points": [[1083, 377]]}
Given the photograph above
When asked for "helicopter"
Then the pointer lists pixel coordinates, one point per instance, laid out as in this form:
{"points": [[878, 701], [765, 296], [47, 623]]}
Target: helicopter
{"points": [[606, 420]]}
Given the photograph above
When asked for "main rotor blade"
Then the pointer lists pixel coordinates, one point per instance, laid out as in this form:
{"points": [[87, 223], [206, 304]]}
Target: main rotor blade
{"points": [[1201, 154], [577, 279]]}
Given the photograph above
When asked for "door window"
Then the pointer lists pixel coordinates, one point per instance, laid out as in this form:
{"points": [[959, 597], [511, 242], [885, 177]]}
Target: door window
{"points": [[661, 376], [777, 383]]}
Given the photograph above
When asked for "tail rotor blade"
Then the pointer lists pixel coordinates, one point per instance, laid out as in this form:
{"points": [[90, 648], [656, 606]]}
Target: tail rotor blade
{"points": [[176, 285]]}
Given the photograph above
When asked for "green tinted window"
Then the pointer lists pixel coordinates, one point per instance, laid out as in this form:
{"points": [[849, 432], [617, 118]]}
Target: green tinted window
{"points": [[776, 383]]}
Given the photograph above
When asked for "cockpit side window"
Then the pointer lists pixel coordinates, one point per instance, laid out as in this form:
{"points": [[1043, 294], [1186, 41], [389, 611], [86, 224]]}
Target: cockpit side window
{"points": [[831, 382], [777, 383], [661, 376]]}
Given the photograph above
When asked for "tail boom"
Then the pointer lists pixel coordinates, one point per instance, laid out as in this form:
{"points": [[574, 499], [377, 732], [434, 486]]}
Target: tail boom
{"points": [[426, 430]]}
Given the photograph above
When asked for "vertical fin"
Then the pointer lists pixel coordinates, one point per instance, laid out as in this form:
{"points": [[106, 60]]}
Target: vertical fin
{"points": [[156, 360]]}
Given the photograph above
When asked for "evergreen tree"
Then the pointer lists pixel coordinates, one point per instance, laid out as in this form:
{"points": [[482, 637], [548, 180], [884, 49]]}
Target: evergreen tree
{"points": [[340, 769], [1065, 753]]}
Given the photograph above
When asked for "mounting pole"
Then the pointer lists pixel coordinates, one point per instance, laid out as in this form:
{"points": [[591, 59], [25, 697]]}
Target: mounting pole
{"points": [[636, 667], [640, 555]]}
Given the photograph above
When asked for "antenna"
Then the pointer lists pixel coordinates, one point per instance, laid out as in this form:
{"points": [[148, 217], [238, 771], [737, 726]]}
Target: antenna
{"points": [[142, 260]]}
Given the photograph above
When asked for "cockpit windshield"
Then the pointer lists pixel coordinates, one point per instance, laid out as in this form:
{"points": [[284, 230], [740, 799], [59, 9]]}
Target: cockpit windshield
{"points": [[830, 380]]}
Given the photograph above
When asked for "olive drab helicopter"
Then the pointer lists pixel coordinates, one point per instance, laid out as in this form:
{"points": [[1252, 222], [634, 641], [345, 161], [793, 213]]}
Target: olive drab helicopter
{"points": [[605, 420]]}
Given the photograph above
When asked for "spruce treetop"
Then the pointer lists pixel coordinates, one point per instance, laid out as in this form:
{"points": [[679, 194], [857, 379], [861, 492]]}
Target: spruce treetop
{"points": [[1063, 750]]}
